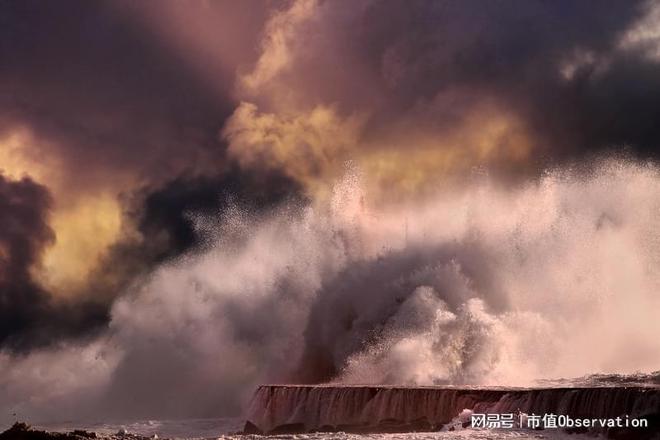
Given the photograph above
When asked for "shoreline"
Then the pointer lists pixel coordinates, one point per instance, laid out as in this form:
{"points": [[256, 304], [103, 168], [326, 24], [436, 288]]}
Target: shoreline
{"points": [[23, 431]]}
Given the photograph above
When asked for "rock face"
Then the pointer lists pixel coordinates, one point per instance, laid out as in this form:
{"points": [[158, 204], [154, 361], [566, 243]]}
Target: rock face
{"points": [[305, 408]]}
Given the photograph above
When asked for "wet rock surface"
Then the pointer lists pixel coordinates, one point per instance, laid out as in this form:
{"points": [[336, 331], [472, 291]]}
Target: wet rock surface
{"points": [[294, 409]]}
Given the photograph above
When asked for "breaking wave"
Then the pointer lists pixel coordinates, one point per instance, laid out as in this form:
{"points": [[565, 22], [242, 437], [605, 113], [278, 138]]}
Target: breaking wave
{"points": [[486, 285]]}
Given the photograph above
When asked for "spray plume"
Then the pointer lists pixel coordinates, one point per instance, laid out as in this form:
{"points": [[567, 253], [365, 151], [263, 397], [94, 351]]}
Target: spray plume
{"points": [[484, 286]]}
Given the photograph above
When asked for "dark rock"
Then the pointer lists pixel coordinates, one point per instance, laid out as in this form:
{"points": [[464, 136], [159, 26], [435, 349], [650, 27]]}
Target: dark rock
{"points": [[23, 431], [651, 432], [251, 428]]}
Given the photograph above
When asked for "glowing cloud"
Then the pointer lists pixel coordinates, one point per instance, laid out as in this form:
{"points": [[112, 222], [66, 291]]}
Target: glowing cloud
{"points": [[85, 221]]}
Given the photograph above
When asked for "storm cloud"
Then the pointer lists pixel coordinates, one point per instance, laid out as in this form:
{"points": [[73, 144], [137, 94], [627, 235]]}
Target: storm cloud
{"points": [[151, 152], [28, 317]]}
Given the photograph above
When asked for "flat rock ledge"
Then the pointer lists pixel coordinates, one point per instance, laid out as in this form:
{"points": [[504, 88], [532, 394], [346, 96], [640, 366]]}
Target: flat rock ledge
{"points": [[297, 409]]}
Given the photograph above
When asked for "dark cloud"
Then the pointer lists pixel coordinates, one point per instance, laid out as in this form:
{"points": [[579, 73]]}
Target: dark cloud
{"points": [[164, 218], [612, 111], [514, 52], [116, 90], [429, 63], [24, 233], [167, 211], [28, 317], [107, 96]]}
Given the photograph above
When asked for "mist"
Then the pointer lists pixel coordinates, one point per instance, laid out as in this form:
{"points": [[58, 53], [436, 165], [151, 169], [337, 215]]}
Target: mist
{"points": [[488, 285]]}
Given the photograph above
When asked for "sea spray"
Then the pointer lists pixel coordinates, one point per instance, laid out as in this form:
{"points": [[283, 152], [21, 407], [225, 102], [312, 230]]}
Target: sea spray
{"points": [[489, 285]]}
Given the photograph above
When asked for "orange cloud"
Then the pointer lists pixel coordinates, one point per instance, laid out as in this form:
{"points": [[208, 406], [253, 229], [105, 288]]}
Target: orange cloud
{"points": [[314, 146], [86, 221]]}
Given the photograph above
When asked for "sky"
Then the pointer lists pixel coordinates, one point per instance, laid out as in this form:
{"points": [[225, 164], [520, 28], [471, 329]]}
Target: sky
{"points": [[137, 138]]}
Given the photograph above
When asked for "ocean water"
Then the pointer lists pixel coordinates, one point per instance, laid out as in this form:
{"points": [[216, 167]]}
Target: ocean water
{"points": [[225, 428], [174, 429]]}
